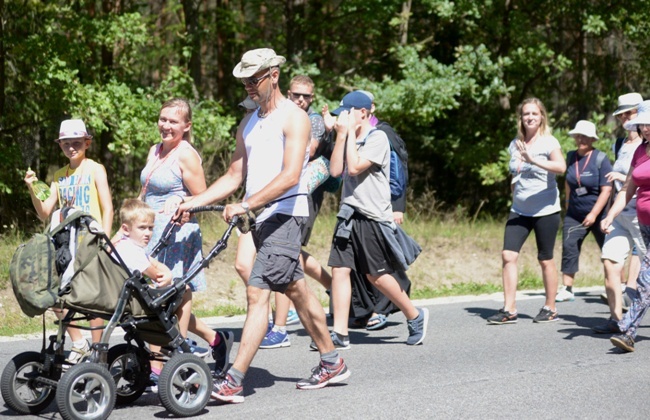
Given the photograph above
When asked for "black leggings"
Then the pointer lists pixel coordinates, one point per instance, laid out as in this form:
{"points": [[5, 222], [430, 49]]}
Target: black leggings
{"points": [[519, 227]]}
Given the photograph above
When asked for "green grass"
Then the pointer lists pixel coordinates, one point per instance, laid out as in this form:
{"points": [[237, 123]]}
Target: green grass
{"points": [[460, 257]]}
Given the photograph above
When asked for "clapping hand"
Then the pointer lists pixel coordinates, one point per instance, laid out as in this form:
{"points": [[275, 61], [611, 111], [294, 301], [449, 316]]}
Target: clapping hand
{"points": [[523, 151], [328, 118]]}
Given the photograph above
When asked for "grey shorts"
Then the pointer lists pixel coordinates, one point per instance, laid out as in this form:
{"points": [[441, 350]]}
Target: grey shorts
{"points": [[277, 240]]}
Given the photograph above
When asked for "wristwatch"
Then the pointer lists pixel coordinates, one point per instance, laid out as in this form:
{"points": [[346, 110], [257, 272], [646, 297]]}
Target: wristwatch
{"points": [[244, 205]]}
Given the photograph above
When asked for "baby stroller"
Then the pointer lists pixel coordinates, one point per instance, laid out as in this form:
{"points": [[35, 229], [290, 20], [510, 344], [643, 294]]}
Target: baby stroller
{"points": [[102, 286]]}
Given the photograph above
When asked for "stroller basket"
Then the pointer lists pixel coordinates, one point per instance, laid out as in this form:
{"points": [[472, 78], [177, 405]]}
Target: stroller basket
{"points": [[101, 280]]}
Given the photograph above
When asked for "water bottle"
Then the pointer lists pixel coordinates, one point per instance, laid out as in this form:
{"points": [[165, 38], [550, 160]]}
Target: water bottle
{"points": [[41, 189]]}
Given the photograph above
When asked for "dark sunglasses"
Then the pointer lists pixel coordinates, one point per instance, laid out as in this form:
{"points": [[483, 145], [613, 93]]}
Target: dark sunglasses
{"points": [[254, 81], [296, 96]]}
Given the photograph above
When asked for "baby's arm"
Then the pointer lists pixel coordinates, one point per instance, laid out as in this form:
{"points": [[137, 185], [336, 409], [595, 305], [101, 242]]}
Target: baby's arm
{"points": [[159, 273]]}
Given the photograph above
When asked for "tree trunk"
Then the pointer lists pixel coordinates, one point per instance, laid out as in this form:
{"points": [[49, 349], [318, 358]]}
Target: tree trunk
{"points": [[404, 22], [191, 10], [2, 63]]}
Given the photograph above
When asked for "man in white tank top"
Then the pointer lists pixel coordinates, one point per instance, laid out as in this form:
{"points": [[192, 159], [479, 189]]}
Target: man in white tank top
{"points": [[271, 154]]}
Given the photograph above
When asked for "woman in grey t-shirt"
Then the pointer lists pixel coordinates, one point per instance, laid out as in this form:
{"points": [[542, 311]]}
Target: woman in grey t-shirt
{"points": [[536, 158]]}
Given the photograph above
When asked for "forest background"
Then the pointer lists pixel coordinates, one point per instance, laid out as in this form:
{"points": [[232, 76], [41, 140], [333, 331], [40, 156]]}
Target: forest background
{"points": [[448, 75]]}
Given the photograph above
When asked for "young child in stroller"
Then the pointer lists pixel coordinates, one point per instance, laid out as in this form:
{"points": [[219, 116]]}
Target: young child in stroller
{"points": [[137, 222]]}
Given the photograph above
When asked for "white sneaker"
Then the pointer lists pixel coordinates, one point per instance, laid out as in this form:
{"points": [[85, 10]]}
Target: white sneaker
{"points": [[563, 295], [78, 354]]}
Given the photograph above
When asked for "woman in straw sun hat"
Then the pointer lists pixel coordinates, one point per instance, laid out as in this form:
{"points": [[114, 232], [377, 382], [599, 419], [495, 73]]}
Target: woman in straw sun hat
{"points": [[625, 235], [637, 181], [587, 193]]}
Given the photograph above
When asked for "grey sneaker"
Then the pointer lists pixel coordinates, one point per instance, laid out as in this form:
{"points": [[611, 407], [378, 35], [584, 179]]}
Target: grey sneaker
{"points": [[221, 352], [623, 342], [627, 302], [341, 342], [502, 317], [325, 374], [418, 327], [195, 349], [546, 315]]}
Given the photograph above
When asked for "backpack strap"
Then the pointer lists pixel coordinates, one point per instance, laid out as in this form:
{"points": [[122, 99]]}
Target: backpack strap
{"points": [[599, 159], [618, 145]]}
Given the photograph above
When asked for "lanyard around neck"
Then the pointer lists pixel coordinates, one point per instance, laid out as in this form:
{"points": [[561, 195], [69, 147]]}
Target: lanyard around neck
{"points": [[578, 172], [156, 165]]}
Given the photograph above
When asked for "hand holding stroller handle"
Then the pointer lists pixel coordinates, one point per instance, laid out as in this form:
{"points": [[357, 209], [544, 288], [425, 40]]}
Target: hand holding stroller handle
{"points": [[200, 209]]}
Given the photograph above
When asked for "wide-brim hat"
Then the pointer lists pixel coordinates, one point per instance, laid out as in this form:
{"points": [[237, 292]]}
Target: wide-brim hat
{"points": [[586, 128], [256, 60], [627, 102], [73, 129], [356, 100], [642, 116]]}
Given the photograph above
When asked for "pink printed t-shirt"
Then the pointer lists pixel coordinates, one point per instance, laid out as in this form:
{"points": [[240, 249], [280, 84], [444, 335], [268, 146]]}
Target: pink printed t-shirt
{"points": [[641, 177]]}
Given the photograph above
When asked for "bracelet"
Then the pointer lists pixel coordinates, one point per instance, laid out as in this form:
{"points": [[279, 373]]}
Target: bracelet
{"points": [[182, 198]]}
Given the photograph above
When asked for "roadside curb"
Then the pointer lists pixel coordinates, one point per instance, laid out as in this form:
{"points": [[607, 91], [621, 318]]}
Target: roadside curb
{"points": [[220, 320]]}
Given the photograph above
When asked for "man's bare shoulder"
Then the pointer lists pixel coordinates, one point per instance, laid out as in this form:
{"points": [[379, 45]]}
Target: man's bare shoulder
{"points": [[297, 115]]}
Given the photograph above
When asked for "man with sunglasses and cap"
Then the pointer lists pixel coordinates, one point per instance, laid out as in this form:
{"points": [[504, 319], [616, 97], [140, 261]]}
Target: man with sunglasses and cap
{"points": [[301, 92], [271, 154]]}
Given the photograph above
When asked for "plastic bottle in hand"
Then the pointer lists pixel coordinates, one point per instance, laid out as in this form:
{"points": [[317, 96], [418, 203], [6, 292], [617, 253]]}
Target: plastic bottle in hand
{"points": [[41, 189]]}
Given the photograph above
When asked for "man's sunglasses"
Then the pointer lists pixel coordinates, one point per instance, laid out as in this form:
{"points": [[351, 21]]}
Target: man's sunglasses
{"points": [[254, 81], [296, 96]]}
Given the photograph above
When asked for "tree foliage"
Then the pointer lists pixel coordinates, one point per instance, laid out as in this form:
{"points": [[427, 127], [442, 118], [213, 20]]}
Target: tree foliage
{"points": [[447, 75]]}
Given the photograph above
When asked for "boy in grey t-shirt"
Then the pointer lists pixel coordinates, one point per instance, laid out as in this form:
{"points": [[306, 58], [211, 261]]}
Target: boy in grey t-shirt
{"points": [[361, 156]]}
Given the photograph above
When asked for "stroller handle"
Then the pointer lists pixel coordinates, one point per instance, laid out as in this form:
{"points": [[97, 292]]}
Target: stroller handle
{"points": [[200, 209]]}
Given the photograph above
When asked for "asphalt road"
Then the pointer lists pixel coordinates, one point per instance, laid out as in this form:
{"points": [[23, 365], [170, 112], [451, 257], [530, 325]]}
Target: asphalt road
{"points": [[465, 369]]}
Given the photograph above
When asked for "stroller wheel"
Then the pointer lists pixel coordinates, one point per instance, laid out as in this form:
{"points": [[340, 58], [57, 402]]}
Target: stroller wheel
{"points": [[86, 391], [130, 369], [185, 385], [21, 388]]}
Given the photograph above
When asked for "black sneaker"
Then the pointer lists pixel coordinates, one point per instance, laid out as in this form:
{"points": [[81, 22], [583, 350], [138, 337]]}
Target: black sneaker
{"points": [[502, 317], [325, 374], [221, 352], [610, 327], [623, 342], [546, 315]]}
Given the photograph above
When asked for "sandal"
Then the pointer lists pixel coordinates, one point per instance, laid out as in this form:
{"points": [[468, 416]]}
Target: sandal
{"points": [[358, 323], [379, 322]]}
